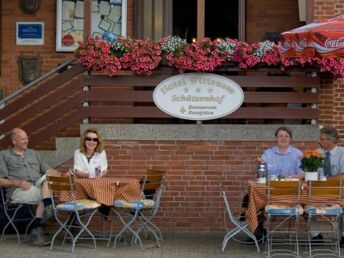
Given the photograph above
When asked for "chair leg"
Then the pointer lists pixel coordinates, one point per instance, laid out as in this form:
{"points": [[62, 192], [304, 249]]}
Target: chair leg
{"points": [[237, 230], [84, 227], [111, 231], [10, 222], [271, 229], [269, 235], [127, 226], [30, 223], [309, 234], [251, 235], [69, 225], [146, 223], [297, 224], [149, 222], [228, 236], [63, 226]]}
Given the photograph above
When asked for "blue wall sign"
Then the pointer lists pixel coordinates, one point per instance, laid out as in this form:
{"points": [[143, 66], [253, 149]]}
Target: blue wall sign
{"points": [[30, 33]]}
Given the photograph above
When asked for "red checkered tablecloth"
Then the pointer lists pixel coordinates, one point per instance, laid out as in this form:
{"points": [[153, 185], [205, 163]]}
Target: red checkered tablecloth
{"points": [[106, 190], [258, 200]]}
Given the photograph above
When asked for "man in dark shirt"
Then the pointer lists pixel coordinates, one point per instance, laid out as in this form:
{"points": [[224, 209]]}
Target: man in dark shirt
{"points": [[24, 174]]}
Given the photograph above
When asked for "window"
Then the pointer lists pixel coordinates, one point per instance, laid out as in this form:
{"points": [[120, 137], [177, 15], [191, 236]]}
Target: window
{"points": [[222, 18], [185, 19]]}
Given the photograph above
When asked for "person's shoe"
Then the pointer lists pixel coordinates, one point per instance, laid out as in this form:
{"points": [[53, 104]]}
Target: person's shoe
{"points": [[37, 237], [318, 239], [242, 216], [259, 236], [250, 241], [48, 215], [342, 241]]}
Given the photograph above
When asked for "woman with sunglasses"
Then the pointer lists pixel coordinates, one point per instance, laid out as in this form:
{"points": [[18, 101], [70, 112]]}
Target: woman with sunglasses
{"points": [[90, 160]]}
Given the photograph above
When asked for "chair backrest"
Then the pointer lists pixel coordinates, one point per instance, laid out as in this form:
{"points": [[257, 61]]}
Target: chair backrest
{"points": [[228, 209], [283, 192], [4, 200], [155, 172], [153, 186], [58, 185], [321, 192], [3, 196], [153, 180]]}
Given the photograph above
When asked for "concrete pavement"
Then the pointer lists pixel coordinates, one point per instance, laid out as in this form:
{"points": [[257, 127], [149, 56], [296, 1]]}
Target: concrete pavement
{"points": [[183, 245]]}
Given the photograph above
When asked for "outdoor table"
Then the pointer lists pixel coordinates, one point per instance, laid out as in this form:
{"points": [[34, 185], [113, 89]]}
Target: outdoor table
{"points": [[106, 190], [258, 199]]}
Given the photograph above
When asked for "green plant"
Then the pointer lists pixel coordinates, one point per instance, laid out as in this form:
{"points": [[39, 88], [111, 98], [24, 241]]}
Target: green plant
{"points": [[312, 160]]}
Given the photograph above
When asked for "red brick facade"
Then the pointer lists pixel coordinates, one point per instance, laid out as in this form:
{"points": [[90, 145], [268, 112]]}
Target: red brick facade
{"points": [[270, 16], [327, 8], [191, 201]]}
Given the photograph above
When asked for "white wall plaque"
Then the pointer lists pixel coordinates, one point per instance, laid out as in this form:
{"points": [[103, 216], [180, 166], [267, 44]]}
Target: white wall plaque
{"points": [[198, 96]]}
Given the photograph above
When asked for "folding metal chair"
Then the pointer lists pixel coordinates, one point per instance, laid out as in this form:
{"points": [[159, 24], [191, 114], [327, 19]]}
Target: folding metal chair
{"points": [[283, 212], [136, 216], [79, 212], [239, 226], [11, 210], [324, 209]]}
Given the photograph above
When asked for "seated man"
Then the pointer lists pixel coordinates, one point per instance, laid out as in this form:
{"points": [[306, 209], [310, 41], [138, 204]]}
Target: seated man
{"points": [[23, 172], [333, 167]]}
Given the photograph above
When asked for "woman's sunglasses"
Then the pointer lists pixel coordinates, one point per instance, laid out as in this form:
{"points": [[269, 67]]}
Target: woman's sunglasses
{"points": [[89, 139]]}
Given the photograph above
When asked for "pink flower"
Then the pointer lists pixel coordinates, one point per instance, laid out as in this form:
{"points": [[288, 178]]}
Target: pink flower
{"points": [[143, 56]]}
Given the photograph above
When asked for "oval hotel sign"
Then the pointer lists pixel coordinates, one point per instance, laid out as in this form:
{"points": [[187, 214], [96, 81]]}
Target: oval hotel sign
{"points": [[198, 96]]}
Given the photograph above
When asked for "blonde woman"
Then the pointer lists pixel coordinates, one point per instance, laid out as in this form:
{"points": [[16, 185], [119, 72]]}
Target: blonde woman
{"points": [[90, 159]]}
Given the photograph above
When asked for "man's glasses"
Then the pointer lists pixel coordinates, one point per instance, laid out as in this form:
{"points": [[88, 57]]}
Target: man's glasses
{"points": [[89, 139]]}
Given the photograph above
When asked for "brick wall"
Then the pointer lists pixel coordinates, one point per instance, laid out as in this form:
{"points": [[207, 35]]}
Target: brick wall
{"points": [[331, 107], [331, 91], [326, 8], [270, 16], [192, 200], [10, 14]]}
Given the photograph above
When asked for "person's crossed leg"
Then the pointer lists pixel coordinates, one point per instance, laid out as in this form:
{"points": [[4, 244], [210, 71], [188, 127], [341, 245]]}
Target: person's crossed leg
{"points": [[37, 193]]}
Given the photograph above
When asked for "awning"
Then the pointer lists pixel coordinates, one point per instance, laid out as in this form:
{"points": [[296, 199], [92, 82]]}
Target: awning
{"points": [[324, 38]]}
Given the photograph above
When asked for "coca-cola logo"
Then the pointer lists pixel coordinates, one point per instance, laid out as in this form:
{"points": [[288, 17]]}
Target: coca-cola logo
{"points": [[334, 43]]}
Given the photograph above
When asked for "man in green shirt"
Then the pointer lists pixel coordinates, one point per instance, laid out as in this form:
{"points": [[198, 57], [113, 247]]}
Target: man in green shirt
{"points": [[24, 174]]}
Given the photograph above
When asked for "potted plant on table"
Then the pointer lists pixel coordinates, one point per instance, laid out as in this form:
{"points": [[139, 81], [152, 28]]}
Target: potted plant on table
{"points": [[311, 161]]}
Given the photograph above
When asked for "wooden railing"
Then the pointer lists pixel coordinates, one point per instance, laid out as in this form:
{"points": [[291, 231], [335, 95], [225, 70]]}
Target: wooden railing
{"points": [[74, 96]]}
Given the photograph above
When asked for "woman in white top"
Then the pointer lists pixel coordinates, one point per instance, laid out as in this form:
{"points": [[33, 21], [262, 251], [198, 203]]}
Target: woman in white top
{"points": [[91, 156]]}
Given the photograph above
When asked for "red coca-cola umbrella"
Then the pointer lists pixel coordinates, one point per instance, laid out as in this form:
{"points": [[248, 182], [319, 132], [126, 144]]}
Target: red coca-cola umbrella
{"points": [[325, 38]]}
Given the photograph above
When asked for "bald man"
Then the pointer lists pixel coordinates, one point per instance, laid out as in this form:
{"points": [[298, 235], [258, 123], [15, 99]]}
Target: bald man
{"points": [[24, 174]]}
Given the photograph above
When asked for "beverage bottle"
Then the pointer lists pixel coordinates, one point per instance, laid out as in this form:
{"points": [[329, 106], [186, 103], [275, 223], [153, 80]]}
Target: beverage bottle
{"points": [[98, 172], [262, 172]]}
